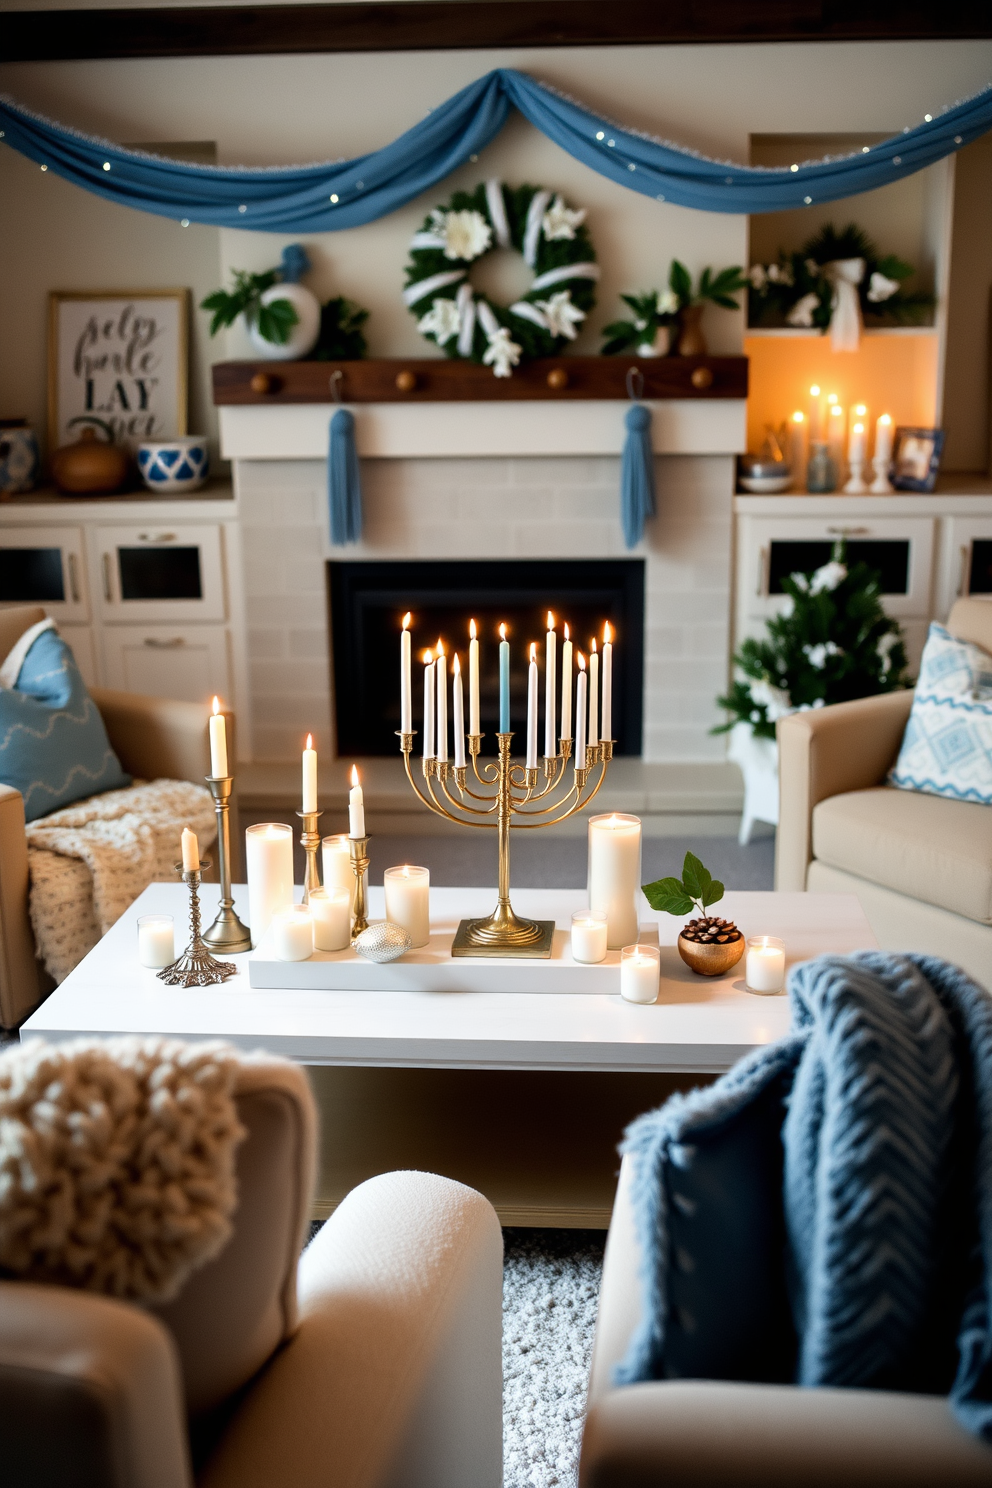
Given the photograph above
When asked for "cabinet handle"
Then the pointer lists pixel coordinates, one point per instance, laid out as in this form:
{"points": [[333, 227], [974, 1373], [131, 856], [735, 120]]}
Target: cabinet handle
{"points": [[763, 557], [73, 579], [107, 592], [170, 645], [963, 570], [848, 531], [156, 537]]}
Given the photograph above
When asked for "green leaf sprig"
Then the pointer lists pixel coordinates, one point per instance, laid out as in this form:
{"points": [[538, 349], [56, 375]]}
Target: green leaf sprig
{"points": [[696, 890], [274, 321]]}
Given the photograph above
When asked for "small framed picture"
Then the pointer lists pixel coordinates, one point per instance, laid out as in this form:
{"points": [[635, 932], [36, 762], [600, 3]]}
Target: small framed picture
{"points": [[915, 458], [118, 358]]}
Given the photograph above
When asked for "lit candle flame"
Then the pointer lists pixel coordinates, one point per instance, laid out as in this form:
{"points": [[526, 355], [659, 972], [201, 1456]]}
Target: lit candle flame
{"points": [[860, 409], [354, 775], [837, 411], [886, 418], [831, 398], [582, 662], [859, 428], [440, 648], [568, 634], [471, 629], [798, 417], [456, 665], [216, 706], [502, 632], [406, 620], [533, 650], [607, 633], [814, 391], [428, 657], [551, 621], [592, 644], [309, 741]]}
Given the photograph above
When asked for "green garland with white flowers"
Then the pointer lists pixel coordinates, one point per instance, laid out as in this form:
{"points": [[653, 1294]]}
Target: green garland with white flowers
{"points": [[554, 241]]}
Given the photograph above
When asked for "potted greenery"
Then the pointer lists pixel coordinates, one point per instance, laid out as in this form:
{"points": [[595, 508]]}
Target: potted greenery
{"points": [[659, 311], [708, 945], [712, 289]]}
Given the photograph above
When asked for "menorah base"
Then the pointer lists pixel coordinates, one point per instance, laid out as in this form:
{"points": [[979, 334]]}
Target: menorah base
{"points": [[502, 934]]}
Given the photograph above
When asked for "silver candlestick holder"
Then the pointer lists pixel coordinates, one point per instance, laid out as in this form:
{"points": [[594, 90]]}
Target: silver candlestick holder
{"points": [[227, 933], [196, 967]]}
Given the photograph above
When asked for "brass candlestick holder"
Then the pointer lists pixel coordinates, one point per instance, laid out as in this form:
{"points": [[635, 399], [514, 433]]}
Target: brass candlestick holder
{"points": [[227, 933], [195, 967], [512, 798], [310, 840], [359, 849]]}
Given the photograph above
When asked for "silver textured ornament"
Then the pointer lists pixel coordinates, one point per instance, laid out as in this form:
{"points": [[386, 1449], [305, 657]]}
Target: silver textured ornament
{"points": [[382, 942]]}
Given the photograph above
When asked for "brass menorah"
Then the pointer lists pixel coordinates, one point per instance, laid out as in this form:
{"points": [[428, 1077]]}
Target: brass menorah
{"points": [[510, 798]]}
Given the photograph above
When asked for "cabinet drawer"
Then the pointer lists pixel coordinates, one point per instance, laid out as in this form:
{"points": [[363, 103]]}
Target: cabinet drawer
{"points": [[160, 571], [900, 549], [44, 565], [187, 662]]}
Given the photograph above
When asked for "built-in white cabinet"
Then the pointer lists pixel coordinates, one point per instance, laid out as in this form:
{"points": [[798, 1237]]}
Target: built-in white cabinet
{"points": [[176, 661], [153, 571], [45, 565]]}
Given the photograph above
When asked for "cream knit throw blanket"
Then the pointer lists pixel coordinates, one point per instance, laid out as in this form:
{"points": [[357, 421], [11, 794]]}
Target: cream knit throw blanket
{"points": [[117, 1162], [89, 861]]}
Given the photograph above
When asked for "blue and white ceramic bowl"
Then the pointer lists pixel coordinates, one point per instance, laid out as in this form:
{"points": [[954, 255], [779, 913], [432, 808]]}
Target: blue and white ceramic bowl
{"points": [[18, 457], [179, 464]]}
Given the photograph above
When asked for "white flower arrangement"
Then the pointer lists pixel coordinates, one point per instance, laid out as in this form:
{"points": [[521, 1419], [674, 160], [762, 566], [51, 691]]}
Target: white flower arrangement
{"points": [[561, 315], [560, 222], [502, 353], [442, 321], [466, 235]]}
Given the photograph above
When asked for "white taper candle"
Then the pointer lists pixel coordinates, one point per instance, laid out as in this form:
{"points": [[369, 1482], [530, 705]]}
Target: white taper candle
{"points": [[473, 680], [593, 694], [309, 776], [532, 710], [581, 688], [428, 705], [406, 678], [441, 724], [356, 806], [459, 713], [218, 742], [566, 687], [550, 690]]}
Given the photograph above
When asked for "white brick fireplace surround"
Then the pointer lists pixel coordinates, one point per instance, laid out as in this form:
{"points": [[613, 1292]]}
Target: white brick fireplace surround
{"points": [[430, 506]]}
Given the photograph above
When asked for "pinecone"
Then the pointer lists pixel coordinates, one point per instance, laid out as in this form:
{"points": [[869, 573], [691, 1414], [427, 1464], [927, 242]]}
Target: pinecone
{"points": [[710, 931]]}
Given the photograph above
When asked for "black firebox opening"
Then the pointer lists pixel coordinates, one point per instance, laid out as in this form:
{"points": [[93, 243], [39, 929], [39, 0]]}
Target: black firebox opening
{"points": [[369, 600]]}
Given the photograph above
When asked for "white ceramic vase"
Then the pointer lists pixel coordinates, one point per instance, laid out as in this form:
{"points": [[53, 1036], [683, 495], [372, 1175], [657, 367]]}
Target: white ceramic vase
{"points": [[302, 336]]}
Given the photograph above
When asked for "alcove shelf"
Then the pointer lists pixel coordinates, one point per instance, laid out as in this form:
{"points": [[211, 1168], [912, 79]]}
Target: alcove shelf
{"points": [[443, 380]]}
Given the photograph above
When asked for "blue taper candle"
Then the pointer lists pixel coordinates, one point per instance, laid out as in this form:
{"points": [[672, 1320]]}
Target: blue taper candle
{"points": [[504, 682]]}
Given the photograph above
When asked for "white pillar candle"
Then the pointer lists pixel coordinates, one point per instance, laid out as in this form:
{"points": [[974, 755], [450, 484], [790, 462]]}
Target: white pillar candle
{"points": [[588, 936], [615, 874], [581, 688], [566, 687], [338, 872], [330, 910], [428, 705], [269, 861], [156, 941], [640, 973], [190, 851], [606, 728], [408, 901], [593, 737], [797, 450], [473, 680], [406, 678], [764, 969], [218, 742], [856, 443], [356, 806], [459, 713], [309, 776], [835, 433], [550, 689], [292, 934], [882, 457], [532, 710], [441, 724]]}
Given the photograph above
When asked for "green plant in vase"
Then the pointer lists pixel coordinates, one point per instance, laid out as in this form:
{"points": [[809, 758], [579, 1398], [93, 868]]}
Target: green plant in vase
{"points": [[708, 944], [712, 289]]}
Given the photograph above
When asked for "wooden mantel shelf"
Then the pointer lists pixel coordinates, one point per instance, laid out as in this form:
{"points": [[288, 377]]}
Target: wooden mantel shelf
{"points": [[443, 380]]}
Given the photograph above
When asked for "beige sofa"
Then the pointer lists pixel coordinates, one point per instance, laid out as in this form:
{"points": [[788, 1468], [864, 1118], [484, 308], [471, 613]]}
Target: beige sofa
{"points": [[921, 865], [723, 1434], [153, 737]]}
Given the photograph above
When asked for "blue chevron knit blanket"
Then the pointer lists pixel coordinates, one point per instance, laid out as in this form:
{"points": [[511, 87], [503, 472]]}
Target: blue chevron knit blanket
{"points": [[886, 1187]]}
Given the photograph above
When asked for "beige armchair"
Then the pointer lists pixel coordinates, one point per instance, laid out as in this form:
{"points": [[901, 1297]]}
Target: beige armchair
{"points": [[153, 737], [921, 865], [717, 1433], [373, 1361]]}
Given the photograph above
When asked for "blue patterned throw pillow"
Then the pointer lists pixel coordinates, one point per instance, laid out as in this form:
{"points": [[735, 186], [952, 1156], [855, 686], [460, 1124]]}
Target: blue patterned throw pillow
{"points": [[947, 747], [53, 745]]}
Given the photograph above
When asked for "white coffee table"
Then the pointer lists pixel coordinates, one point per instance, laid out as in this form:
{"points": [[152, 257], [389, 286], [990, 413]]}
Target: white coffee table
{"points": [[522, 1094]]}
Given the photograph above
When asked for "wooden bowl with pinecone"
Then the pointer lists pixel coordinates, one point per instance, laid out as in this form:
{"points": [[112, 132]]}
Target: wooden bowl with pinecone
{"points": [[708, 945]]}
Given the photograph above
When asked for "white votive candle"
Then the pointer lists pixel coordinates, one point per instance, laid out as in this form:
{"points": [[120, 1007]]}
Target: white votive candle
{"points": [[588, 936], [269, 861], [292, 934], [338, 872], [330, 910], [156, 941], [615, 874], [764, 969], [408, 901], [640, 973]]}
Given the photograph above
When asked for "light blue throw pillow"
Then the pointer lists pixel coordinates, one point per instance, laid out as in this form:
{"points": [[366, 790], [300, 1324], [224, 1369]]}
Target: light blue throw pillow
{"points": [[947, 747], [53, 744]]}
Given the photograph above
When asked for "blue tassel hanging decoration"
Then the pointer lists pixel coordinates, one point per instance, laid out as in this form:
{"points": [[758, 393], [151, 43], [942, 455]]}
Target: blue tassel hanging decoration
{"points": [[344, 481], [636, 475]]}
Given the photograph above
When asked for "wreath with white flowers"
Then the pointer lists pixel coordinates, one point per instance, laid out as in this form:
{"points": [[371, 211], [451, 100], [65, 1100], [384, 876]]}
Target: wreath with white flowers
{"points": [[554, 242]]}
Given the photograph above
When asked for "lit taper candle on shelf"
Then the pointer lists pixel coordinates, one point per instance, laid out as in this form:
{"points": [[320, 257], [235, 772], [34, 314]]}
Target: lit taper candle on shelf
{"points": [[532, 710], [816, 430], [441, 717], [607, 709], [191, 851], [459, 713], [882, 457], [356, 806], [797, 450], [406, 678], [428, 705], [473, 680], [309, 776], [566, 687], [218, 743], [593, 737], [504, 682], [550, 685], [581, 688]]}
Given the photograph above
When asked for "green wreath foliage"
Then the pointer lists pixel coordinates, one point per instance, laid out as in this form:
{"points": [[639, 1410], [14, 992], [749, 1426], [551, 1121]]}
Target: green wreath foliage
{"points": [[551, 253], [775, 288]]}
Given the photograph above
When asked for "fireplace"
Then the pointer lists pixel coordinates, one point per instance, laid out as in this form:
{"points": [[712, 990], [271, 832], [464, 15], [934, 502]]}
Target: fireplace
{"points": [[368, 601]]}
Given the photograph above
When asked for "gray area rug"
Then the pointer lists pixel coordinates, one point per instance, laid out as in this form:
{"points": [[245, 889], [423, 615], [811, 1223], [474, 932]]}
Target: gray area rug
{"points": [[550, 1295]]}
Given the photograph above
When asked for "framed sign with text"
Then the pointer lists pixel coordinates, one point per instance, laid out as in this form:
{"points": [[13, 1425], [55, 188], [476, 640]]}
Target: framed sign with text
{"points": [[120, 357]]}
